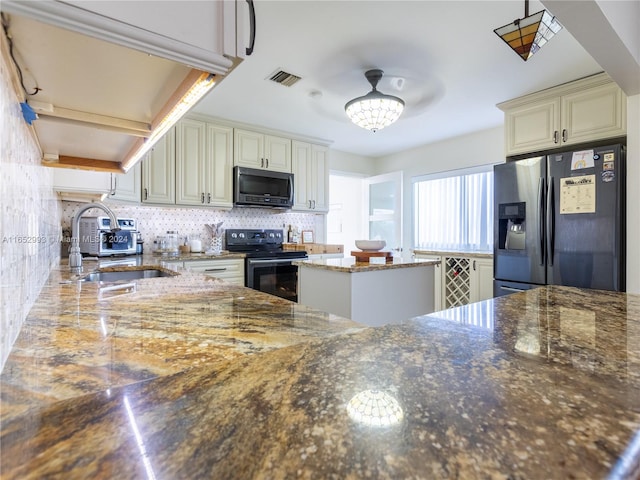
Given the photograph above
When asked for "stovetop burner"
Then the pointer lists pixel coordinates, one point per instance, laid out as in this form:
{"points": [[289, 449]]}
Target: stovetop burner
{"points": [[262, 243]]}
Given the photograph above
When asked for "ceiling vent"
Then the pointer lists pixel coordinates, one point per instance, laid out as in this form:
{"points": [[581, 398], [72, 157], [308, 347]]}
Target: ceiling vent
{"points": [[284, 78]]}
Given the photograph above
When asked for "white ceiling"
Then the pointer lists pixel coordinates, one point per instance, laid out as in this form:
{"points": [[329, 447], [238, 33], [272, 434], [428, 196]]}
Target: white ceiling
{"points": [[455, 69]]}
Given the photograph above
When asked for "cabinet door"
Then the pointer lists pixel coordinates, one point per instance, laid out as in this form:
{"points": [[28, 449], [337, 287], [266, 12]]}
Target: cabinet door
{"points": [[481, 279], [248, 149], [190, 162], [320, 178], [128, 186], [159, 170], [230, 270], [300, 167], [532, 127], [277, 153], [219, 167], [594, 114]]}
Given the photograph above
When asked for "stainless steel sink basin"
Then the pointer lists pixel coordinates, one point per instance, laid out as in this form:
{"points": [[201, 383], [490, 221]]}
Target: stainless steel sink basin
{"points": [[126, 275]]}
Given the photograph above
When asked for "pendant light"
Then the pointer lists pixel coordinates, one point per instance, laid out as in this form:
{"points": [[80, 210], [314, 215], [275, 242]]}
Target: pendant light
{"points": [[527, 35], [375, 110]]}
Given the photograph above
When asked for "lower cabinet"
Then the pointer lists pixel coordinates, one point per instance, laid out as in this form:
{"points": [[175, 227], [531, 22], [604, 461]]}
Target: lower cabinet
{"points": [[230, 270], [461, 280]]}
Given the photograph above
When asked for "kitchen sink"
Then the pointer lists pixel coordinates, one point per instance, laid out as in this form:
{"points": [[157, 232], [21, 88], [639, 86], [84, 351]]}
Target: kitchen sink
{"points": [[114, 276]]}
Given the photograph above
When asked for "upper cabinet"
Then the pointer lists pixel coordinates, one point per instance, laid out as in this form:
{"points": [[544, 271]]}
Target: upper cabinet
{"points": [[159, 172], [258, 150], [127, 186], [201, 34], [593, 108], [204, 164], [310, 167]]}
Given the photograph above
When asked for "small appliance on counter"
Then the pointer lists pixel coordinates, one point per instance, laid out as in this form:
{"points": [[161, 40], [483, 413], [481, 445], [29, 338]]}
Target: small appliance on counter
{"points": [[97, 239]]}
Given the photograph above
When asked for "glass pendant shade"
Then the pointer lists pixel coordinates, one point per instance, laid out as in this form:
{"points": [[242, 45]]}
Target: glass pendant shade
{"points": [[375, 110], [527, 35]]}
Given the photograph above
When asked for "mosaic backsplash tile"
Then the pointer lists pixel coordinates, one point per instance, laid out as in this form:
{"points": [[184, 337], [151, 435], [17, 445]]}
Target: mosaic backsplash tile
{"points": [[30, 220], [155, 221]]}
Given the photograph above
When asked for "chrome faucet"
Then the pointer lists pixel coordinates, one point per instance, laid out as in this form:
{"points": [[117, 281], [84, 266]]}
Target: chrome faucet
{"points": [[75, 257]]}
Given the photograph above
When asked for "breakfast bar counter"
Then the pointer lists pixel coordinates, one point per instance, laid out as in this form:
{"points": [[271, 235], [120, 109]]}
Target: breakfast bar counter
{"points": [[536, 385], [373, 293]]}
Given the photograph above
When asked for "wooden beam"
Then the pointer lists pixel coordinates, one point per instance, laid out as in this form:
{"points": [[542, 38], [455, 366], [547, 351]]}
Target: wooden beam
{"points": [[120, 125], [85, 164]]}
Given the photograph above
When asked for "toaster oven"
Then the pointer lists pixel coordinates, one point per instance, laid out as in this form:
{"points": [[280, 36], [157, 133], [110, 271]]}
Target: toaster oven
{"points": [[96, 237]]}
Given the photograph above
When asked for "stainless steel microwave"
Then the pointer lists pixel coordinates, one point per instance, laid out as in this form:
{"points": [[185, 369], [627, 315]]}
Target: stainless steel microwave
{"points": [[262, 188]]}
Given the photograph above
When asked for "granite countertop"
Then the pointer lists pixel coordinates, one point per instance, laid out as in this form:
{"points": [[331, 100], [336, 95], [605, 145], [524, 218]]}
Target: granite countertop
{"points": [[539, 384], [453, 253], [350, 265], [86, 337]]}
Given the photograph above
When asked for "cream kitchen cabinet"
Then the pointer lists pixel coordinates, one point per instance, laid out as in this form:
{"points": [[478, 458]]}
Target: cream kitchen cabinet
{"points": [[204, 35], [258, 150], [127, 187], [204, 156], [231, 270], [460, 280], [82, 185], [593, 108], [159, 172], [310, 168]]}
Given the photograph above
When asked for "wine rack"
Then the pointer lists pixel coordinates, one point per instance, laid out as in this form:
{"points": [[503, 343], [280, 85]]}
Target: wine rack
{"points": [[457, 282]]}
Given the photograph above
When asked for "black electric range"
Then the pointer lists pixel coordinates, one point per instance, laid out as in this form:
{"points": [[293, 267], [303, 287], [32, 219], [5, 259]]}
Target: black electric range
{"points": [[268, 266]]}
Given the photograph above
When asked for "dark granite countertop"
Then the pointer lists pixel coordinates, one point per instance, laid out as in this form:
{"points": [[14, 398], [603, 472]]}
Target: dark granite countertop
{"points": [[540, 384]]}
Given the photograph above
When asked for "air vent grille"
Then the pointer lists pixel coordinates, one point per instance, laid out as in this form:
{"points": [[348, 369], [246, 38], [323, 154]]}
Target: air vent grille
{"points": [[284, 78]]}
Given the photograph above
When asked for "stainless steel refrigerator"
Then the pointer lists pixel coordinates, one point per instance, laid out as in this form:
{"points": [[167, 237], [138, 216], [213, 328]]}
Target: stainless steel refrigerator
{"points": [[559, 219]]}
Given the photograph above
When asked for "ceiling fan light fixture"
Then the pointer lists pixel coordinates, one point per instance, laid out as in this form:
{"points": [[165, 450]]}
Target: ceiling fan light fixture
{"points": [[529, 34], [375, 110]]}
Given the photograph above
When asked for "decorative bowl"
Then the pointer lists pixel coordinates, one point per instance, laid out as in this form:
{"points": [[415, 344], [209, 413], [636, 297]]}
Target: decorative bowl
{"points": [[370, 245]]}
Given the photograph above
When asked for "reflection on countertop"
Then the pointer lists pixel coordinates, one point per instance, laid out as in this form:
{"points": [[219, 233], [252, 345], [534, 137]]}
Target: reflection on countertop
{"points": [[538, 384]]}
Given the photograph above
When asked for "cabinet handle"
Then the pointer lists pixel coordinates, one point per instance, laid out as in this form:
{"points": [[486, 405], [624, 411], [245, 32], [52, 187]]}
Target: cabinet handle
{"points": [[309, 204], [202, 197], [146, 194], [555, 136], [208, 198], [474, 265], [216, 269], [564, 134], [267, 160], [252, 25], [314, 204]]}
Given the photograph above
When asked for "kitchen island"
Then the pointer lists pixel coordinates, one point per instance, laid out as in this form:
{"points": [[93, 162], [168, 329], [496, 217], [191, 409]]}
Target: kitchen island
{"points": [[539, 384], [373, 294]]}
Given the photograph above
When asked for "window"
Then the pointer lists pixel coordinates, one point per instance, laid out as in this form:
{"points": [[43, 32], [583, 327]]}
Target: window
{"points": [[454, 212]]}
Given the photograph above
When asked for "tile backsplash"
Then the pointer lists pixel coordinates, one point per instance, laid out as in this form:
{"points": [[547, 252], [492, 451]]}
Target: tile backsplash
{"points": [[30, 219], [155, 221]]}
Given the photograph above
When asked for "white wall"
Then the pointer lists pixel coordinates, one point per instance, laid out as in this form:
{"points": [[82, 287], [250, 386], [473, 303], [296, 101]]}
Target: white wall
{"points": [[485, 147], [349, 162]]}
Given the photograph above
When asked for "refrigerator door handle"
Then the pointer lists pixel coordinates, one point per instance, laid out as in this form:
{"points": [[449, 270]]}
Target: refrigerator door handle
{"points": [[550, 222], [541, 218]]}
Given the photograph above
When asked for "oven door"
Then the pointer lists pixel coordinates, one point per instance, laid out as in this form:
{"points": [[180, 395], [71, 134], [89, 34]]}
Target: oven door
{"points": [[276, 276]]}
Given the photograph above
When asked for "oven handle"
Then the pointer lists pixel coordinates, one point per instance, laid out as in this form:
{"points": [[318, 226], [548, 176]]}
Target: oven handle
{"points": [[273, 260]]}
